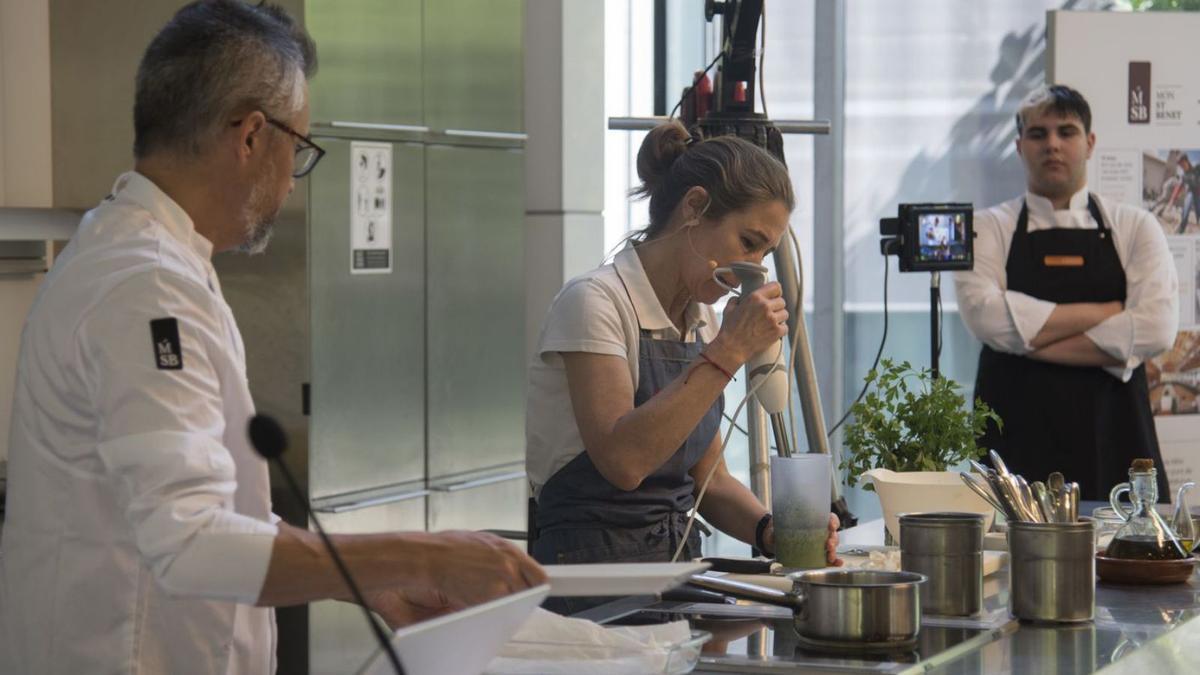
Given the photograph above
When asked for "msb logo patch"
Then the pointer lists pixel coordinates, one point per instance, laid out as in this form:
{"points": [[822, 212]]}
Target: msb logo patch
{"points": [[168, 354]]}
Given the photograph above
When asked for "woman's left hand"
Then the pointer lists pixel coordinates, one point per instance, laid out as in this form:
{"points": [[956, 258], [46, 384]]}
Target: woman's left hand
{"points": [[831, 542]]}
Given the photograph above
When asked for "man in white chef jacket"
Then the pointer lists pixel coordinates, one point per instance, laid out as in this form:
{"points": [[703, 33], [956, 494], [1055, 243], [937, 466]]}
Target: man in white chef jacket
{"points": [[1071, 294], [139, 535]]}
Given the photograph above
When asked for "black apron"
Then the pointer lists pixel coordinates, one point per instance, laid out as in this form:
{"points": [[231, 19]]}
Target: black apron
{"points": [[1081, 421]]}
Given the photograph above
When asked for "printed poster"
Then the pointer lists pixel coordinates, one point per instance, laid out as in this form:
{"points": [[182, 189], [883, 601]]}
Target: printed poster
{"points": [[1145, 102]]}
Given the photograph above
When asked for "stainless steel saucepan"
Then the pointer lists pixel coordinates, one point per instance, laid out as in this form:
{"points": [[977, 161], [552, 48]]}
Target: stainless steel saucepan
{"points": [[871, 609]]}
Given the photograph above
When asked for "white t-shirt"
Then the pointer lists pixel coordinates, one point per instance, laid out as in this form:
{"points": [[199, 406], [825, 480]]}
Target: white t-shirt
{"points": [[139, 522], [1008, 321], [600, 312]]}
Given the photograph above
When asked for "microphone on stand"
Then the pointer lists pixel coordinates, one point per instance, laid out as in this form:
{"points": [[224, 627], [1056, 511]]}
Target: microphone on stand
{"points": [[270, 442]]}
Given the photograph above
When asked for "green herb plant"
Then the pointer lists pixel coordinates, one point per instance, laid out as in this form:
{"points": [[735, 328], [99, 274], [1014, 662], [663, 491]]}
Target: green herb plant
{"points": [[912, 421]]}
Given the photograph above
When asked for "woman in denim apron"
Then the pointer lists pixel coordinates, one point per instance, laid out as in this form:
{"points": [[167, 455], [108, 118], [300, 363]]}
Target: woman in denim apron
{"points": [[647, 435]]}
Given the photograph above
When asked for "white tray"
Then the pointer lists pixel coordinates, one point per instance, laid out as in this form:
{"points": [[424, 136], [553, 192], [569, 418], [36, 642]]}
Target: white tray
{"points": [[618, 578], [461, 643]]}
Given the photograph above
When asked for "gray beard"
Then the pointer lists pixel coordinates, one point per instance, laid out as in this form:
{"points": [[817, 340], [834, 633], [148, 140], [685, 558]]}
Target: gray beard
{"points": [[258, 236], [260, 224]]}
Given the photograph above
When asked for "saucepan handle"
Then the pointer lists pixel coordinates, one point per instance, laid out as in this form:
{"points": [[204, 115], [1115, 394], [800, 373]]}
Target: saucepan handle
{"points": [[746, 591]]}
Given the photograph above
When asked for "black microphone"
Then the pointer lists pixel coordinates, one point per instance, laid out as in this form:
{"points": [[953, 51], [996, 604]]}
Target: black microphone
{"points": [[270, 441]]}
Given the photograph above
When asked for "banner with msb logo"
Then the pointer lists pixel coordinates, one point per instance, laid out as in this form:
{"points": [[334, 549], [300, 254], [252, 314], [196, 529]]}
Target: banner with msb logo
{"points": [[1144, 89]]}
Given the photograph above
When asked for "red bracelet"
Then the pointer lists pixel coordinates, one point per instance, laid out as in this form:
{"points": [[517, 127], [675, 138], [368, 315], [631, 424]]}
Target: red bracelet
{"points": [[728, 375]]}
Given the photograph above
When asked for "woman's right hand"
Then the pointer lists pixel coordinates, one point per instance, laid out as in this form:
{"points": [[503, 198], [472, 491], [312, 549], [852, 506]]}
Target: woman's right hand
{"points": [[751, 324]]}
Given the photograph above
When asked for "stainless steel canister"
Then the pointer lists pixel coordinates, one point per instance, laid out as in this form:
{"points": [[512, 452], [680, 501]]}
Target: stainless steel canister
{"points": [[1052, 571], [947, 548]]}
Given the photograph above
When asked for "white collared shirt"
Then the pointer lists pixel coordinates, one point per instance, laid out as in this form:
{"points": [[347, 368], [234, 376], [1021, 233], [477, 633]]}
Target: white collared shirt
{"points": [[1008, 321], [139, 523], [601, 312]]}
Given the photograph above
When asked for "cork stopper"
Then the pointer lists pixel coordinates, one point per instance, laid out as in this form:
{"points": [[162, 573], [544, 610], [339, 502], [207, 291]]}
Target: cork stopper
{"points": [[1142, 465]]}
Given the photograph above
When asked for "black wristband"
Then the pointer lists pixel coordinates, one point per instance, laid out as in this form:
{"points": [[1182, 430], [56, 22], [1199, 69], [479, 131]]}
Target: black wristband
{"points": [[759, 530]]}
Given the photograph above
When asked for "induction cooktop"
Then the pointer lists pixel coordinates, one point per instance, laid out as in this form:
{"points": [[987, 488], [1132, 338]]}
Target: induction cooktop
{"points": [[754, 638]]}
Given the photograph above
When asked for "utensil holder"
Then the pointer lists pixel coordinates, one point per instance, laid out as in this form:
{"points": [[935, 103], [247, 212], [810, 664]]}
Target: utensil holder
{"points": [[1052, 570], [947, 548]]}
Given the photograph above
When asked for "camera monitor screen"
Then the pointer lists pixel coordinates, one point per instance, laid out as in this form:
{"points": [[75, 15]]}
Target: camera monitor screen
{"points": [[942, 238]]}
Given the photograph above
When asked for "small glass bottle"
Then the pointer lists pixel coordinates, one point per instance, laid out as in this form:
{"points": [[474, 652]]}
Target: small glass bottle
{"points": [[1144, 535]]}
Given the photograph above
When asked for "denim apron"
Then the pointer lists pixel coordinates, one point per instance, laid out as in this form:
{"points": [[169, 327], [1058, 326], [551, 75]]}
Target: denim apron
{"points": [[582, 518], [1081, 421]]}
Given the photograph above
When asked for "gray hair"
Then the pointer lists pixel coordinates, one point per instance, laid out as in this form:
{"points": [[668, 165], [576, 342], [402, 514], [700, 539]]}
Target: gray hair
{"points": [[213, 60]]}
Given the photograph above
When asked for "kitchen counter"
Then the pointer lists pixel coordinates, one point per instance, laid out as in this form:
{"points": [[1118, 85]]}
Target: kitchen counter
{"points": [[1142, 630]]}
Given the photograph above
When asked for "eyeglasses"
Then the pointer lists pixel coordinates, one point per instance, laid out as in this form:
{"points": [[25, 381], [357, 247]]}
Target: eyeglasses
{"points": [[307, 152]]}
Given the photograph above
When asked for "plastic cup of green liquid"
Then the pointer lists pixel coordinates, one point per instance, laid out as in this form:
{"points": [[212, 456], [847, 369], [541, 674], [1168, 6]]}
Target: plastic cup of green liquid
{"points": [[800, 497]]}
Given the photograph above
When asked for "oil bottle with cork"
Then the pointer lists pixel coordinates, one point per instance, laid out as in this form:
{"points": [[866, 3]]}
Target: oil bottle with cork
{"points": [[1144, 534]]}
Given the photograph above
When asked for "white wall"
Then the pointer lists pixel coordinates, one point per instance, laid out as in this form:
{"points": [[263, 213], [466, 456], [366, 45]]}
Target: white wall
{"points": [[25, 169], [564, 156]]}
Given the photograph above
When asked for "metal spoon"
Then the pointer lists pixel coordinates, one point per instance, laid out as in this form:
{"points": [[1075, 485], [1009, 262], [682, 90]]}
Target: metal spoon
{"points": [[1026, 498], [1001, 467], [1042, 495], [1056, 484], [1005, 496], [1072, 505], [980, 488]]}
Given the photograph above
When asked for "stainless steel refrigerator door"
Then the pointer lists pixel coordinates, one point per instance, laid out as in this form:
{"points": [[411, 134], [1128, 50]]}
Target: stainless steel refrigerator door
{"points": [[476, 321], [340, 641], [498, 503], [370, 54], [473, 65], [367, 427]]}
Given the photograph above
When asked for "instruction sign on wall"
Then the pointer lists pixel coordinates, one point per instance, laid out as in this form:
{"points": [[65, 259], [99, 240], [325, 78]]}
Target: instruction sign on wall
{"points": [[370, 208]]}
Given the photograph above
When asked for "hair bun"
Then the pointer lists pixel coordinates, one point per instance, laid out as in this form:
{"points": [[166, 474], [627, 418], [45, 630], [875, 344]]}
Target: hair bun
{"points": [[662, 146]]}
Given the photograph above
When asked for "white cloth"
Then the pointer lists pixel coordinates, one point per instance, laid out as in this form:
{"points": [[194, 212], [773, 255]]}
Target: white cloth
{"points": [[548, 643], [600, 312], [138, 514], [1008, 321]]}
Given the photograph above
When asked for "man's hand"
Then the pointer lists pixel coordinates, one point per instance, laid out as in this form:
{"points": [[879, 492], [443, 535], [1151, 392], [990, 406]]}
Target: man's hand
{"points": [[1071, 319], [474, 567], [436, 572], [1077, 350], [401, 607], [831, 543]]}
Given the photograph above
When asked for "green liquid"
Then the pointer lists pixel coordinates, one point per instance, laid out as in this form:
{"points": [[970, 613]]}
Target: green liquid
{"points": [[804, 549]]}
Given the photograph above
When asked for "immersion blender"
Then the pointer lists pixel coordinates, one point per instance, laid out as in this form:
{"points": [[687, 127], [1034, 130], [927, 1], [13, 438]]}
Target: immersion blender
{"points": [[770, 363]]}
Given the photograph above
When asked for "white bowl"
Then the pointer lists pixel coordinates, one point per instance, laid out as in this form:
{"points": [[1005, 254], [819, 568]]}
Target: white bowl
{"points": [[925, 491]]}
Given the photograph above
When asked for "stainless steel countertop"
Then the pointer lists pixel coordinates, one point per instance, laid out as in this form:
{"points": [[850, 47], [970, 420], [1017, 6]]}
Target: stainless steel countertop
{"points": [[1142, 630]]}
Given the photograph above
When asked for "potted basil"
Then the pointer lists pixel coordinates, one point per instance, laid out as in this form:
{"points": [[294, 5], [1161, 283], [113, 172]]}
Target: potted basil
{"points": [[906, 433]]}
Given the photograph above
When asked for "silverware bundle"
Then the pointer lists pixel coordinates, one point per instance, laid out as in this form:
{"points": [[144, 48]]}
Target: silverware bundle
{"points": [[1055, 501]]}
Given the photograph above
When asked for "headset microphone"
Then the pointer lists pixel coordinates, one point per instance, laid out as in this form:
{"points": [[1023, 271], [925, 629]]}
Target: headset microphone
{"points": [[270, 441]]}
